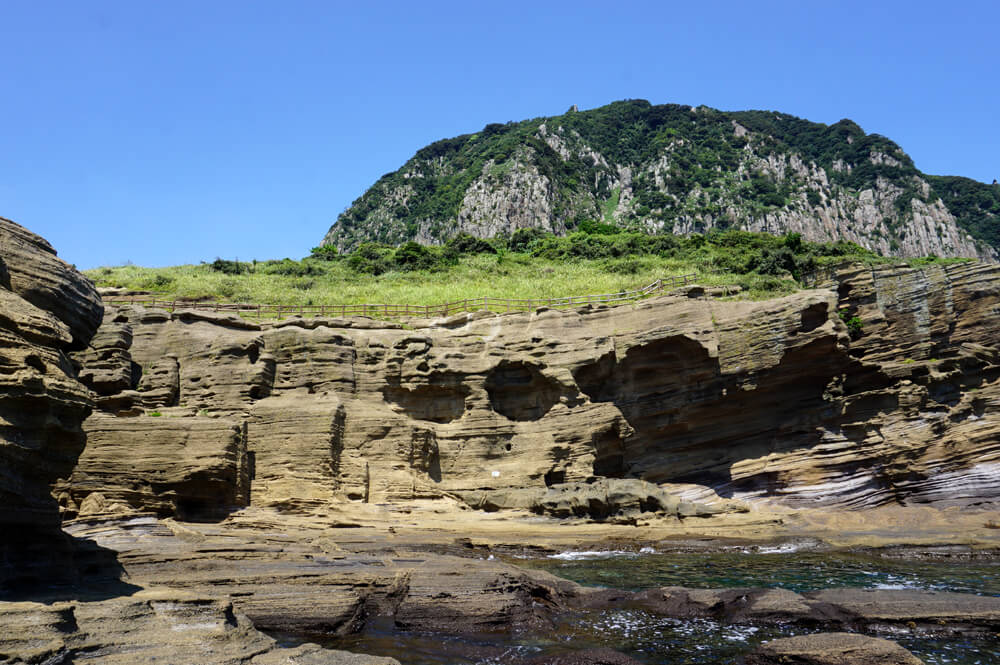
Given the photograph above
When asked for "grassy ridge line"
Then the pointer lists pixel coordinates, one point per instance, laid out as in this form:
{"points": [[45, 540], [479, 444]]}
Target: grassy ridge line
{"points": [[473, 277], [543, 267]]}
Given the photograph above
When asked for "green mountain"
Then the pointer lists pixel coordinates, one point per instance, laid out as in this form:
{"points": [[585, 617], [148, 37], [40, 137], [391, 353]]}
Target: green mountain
{"points": [[676, 169]]}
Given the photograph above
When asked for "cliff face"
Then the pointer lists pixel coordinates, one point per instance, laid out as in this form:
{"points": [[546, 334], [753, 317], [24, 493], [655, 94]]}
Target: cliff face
{"points": [[703, 398], [46, 309], [676, 169]]}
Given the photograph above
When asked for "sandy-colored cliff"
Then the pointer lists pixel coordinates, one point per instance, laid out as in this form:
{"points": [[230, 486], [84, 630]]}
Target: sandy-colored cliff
{"points": [[701, 399], [46, 309]]}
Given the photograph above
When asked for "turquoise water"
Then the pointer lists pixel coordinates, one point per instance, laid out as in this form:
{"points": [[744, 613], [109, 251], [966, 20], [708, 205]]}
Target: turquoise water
{"points": [[664, 641]]}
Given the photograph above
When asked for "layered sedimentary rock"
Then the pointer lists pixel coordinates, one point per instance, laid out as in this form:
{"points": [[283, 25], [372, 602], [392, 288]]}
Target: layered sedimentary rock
{"points": [[32, 270], [776, 400], [192, 467], [46, 308], [154, 626]]}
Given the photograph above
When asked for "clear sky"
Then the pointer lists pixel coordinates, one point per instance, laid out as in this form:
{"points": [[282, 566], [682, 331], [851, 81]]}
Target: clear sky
{"points": [[176, 132]]}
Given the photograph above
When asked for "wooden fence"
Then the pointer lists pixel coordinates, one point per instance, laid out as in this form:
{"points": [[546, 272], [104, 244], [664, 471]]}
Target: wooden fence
{"points": [[486, 303]]}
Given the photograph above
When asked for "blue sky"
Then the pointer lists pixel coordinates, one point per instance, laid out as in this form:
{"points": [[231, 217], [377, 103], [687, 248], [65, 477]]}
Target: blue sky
{"points": [[176, 132]]}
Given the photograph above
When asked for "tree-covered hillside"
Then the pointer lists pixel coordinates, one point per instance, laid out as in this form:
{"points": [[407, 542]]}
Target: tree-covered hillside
{"points": [[676, 169]]}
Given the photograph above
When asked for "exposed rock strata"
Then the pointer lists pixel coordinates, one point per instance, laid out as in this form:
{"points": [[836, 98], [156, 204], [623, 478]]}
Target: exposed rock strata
{"points": [[747, 400], [191, 467], [312, 576], [34, 272], [152, 626], [46, 308]]}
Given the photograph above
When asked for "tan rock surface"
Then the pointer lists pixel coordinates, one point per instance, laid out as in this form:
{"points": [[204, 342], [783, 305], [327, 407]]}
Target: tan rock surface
{"points": [[46, 308], [34, 272], [150, 626], [832, 649], [189, 466], [748, 401]]}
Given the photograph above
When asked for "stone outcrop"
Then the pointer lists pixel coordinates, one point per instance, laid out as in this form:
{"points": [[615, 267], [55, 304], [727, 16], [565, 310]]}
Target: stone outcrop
{"points": [[832, 649], [314, 576], [191, 467], [46, 309], [774, 401], [854, 609], [151, 626], [618, 499], [32, 270]]}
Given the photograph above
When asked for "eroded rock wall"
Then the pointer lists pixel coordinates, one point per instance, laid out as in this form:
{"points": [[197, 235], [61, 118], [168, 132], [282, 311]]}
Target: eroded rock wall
{"points": [[768, 400], [46, 308]]}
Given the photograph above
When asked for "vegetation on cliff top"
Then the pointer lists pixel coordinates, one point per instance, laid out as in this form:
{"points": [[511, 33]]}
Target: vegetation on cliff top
{"points": [[529, 264], [691, 169]]}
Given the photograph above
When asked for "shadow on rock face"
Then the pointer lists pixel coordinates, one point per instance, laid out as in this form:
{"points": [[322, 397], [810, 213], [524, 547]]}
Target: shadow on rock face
{"points": [[61, 568], [520, 391]]}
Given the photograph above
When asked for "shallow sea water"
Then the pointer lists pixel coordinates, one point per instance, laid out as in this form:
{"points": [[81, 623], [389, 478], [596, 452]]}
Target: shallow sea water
{"points": [[795, 571], [664, 641]]}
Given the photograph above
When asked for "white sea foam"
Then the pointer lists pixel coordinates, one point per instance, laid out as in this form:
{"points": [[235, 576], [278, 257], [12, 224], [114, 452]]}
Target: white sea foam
{"points": [[784, 548], [591, 554]]}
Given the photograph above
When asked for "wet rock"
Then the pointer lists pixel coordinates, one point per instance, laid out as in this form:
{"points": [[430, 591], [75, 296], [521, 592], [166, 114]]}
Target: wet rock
{"points": [[861, 609], [832, 649], [310, 654], [601, 656]]}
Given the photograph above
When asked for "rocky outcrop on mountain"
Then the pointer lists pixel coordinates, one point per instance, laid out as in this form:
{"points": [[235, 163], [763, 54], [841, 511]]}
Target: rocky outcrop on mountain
{"points": [[46, 308], [676, 169], [558, 411]]}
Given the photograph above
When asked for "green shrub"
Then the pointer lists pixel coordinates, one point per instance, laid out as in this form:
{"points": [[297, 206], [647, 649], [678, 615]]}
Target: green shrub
{"points": [[325, 253], [370, 258], [291, 268], [464, 243], [591, 227], [855, 326], [524, 240], [229, 267], [414, 256], [626, 266]]}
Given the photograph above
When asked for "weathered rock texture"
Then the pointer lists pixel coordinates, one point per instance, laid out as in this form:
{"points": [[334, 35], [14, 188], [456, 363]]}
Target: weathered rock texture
{"points": [[34, 272], [46, 308], [748, 400], [154, 626], [832, 649]]}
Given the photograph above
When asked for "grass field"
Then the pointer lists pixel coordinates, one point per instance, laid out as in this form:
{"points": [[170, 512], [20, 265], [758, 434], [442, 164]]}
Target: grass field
{"points": [[516, 276], [500, 274]]}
